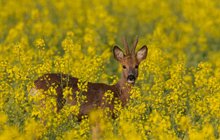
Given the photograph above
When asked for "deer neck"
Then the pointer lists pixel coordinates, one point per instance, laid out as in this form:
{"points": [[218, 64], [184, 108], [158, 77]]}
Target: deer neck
{"points": [[124, 88]]}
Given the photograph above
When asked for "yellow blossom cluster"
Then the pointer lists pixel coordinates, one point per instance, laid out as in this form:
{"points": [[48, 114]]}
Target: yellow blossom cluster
{"points": [[177, 94]]}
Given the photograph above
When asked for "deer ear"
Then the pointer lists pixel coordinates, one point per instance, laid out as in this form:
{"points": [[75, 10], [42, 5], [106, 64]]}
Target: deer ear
{"points": [[118, 53], [142, 53]]}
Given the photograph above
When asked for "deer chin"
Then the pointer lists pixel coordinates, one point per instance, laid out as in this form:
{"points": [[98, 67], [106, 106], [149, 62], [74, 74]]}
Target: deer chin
{"points": [[131, 81]]}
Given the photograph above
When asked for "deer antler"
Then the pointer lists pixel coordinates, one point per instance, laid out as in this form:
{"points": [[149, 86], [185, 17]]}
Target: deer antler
{"points": [[134, 45], [126, 45]]}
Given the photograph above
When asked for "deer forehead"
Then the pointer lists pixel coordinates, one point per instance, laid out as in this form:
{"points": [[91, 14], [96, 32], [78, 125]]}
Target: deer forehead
{"points": [[130, 61]]}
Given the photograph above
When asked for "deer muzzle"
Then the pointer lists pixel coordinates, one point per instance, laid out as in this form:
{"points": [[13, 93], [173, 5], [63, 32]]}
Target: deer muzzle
{"points": [[131, 79]]}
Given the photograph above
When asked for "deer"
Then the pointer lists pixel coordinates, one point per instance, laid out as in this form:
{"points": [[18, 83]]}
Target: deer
{"points": [[129, 59]]}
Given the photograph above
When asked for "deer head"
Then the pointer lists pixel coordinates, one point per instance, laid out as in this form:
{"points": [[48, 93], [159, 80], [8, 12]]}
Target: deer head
{"points": [[130, 60]]}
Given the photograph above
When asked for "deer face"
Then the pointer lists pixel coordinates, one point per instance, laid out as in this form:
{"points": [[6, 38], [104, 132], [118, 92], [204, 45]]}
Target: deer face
{"points": [[130, 61]]}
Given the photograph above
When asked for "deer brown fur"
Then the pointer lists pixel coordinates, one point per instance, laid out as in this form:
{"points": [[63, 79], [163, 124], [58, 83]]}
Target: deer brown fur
{"points": [[94, 95]]}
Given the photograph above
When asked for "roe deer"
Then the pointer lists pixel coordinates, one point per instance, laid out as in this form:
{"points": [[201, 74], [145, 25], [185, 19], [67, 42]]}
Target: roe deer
{"points": [[94, 95]]}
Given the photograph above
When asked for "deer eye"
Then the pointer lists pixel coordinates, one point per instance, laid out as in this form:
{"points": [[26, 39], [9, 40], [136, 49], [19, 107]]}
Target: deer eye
{"points": [[136, 66], [124, 67]]}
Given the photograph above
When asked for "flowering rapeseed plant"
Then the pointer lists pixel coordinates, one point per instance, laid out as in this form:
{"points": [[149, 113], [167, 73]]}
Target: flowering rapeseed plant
{"points": [[178, 91]]}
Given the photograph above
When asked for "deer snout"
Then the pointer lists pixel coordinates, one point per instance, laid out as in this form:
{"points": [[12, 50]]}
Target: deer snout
{"points": [[131, 79]]}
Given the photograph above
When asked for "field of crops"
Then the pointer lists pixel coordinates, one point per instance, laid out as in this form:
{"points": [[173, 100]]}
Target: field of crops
{"points": [[177, 94]]}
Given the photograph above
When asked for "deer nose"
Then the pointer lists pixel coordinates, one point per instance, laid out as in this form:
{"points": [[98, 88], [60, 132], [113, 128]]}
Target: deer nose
{"points": [[131, 78]]}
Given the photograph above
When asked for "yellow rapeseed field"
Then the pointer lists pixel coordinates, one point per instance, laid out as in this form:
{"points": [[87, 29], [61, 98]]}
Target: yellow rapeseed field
{"points": [[177, 94]]}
